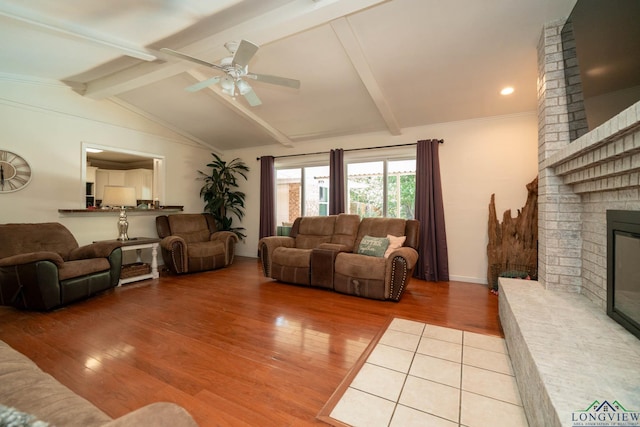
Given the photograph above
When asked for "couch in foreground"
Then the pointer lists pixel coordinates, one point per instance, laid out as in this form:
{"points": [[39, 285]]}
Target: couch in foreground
{"points": [[372, 257], [43, 267], [26, 388]]}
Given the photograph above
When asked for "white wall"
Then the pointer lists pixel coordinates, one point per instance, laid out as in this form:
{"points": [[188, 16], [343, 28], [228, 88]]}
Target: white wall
{"points": [[479, 157], [46, 124]]}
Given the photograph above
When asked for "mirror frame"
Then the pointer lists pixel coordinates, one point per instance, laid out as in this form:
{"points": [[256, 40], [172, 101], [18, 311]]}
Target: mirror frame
{"points": [[159, 170]]}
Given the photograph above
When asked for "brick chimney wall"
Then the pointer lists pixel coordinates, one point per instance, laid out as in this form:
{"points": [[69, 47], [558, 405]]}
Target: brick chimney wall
{"points": [[579, 181]]}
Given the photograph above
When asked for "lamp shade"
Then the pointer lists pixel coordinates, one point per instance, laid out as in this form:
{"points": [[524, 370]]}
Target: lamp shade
{"points": [[119, 196]]}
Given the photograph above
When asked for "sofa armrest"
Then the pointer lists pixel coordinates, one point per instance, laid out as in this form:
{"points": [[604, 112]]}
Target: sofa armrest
{"points": [[400, 265], [229, 239], [410, 256], [159, 414], [267, 245], [223, 236], [28, 258], [174, 253], [94, 250]]}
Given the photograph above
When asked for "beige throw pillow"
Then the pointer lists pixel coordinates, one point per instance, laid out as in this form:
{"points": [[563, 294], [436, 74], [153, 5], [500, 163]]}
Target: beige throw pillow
{"points": [[394, 243]]}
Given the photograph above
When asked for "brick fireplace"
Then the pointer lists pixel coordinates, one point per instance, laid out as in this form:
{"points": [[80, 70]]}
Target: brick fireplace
{"points": [[566, 352], [579, 181]]}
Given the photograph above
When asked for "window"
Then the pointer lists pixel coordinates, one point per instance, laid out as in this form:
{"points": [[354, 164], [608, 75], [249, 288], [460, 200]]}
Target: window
{"points": [[301, 191], [376, 187], [382, 188]]}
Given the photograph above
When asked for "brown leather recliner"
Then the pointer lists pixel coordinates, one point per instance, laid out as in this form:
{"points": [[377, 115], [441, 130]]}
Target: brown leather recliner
{"points": [[42, 267], [191, 242]]}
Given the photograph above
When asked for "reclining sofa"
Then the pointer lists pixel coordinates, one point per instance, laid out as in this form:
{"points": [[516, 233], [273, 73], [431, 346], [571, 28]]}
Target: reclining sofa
{"points": [[371, 258], [42, 267]]}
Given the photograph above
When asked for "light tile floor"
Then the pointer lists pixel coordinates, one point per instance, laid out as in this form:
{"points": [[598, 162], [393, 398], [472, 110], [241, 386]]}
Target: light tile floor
{"points": [[425, 375]]}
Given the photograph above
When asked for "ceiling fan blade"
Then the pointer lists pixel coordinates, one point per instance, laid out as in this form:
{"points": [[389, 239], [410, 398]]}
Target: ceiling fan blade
{"points": [[189, 58], [201, 85], [244, 53], [275, 80], [252, 98]]}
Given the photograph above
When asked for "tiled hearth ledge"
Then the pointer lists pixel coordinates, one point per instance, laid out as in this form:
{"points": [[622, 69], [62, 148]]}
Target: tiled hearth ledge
{"points": [[566, 353]]}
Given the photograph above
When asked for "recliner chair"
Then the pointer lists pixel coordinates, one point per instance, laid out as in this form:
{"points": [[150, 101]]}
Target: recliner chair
{"points": [[42, 267], [191, 242]]}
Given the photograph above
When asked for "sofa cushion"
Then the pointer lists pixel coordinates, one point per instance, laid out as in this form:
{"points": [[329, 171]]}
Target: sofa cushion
{"points": [[373, 246], [314, 230], [310, 242], [317, 225], [292, 257], [360, 266], [205, 249], [82, 267], [191, 227], [345, 231], [42, 237], [380, 227]]}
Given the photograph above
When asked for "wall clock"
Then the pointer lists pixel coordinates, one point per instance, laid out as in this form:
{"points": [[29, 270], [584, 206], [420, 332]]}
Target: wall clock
{"points": [[15, 172]]}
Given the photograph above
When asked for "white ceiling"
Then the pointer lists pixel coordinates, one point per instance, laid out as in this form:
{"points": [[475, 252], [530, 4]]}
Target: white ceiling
{"points": [[365, 65]]}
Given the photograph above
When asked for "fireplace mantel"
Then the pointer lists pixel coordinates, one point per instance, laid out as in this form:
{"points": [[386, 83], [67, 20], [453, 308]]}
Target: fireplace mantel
{"points": [[605, 159]]}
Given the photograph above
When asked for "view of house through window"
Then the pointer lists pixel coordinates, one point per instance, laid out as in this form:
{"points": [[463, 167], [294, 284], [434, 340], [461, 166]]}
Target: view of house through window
{"points": [[374, 189], [302, 191]]}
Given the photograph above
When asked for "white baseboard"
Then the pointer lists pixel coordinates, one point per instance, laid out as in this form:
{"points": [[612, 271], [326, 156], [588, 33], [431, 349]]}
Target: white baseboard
{"points": [[479, 280]]}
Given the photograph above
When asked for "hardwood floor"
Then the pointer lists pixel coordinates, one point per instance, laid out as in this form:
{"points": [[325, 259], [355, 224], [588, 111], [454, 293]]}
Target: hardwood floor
{"points": [[231, 346]]}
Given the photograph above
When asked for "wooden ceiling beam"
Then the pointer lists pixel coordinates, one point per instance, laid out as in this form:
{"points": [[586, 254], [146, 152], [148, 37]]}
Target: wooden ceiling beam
{"points": [[354, 51], [291, 18]]}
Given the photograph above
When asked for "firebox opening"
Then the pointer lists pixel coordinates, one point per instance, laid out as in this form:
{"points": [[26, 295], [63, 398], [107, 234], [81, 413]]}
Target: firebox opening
{"points": [[623, 268]]}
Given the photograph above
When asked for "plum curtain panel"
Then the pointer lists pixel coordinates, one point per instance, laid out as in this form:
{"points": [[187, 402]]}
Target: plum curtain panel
{"points": [[336, 182], [433, 262], [267, 197]]}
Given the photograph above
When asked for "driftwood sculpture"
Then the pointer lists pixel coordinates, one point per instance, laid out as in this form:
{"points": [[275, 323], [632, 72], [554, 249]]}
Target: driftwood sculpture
{"points": [[513, 245]]}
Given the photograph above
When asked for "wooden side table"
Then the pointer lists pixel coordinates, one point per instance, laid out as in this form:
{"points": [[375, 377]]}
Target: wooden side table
{"points": [[138, 244]]}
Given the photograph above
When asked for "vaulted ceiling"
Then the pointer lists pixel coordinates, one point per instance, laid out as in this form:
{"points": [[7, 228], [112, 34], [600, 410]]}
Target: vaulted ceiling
{"points": [[364, 65]]}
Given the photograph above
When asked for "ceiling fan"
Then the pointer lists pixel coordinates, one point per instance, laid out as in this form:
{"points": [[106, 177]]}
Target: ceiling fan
{"points": [[236, 69]]}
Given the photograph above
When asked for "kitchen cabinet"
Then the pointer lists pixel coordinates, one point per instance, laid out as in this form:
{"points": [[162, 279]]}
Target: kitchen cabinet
{"points": [[140, 179]]}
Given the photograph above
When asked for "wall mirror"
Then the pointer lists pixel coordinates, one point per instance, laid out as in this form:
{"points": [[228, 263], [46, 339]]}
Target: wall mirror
{"points": [[103, 165]]}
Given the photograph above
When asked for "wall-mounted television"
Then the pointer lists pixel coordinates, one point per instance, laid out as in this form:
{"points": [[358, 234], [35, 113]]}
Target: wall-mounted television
{"points": [[601, 49]]}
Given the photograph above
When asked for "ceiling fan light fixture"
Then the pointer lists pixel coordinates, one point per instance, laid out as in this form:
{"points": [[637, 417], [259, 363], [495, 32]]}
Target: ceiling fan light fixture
{"points": [[243, 87], [227, 84], [235, 67]]}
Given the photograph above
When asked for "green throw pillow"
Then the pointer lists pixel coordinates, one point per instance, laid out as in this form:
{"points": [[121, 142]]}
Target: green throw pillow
{"points": [[373, 246]]}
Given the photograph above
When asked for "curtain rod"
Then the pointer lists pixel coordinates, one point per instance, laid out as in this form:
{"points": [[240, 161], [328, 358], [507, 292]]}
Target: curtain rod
{"points": [[440, 141]]}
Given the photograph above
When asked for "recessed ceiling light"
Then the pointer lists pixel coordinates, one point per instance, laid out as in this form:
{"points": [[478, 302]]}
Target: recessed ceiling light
{"points": [[94, 150], [507, 91]]}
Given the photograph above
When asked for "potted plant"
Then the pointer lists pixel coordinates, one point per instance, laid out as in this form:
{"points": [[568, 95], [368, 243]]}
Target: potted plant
{"points": [[220, 194]]}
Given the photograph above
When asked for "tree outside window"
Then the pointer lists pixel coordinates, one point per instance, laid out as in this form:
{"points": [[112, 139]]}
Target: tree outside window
{"points": [[382, 188]]}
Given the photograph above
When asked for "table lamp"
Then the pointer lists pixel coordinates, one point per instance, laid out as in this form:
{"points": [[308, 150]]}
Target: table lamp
{"points": [[121, 197]]}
